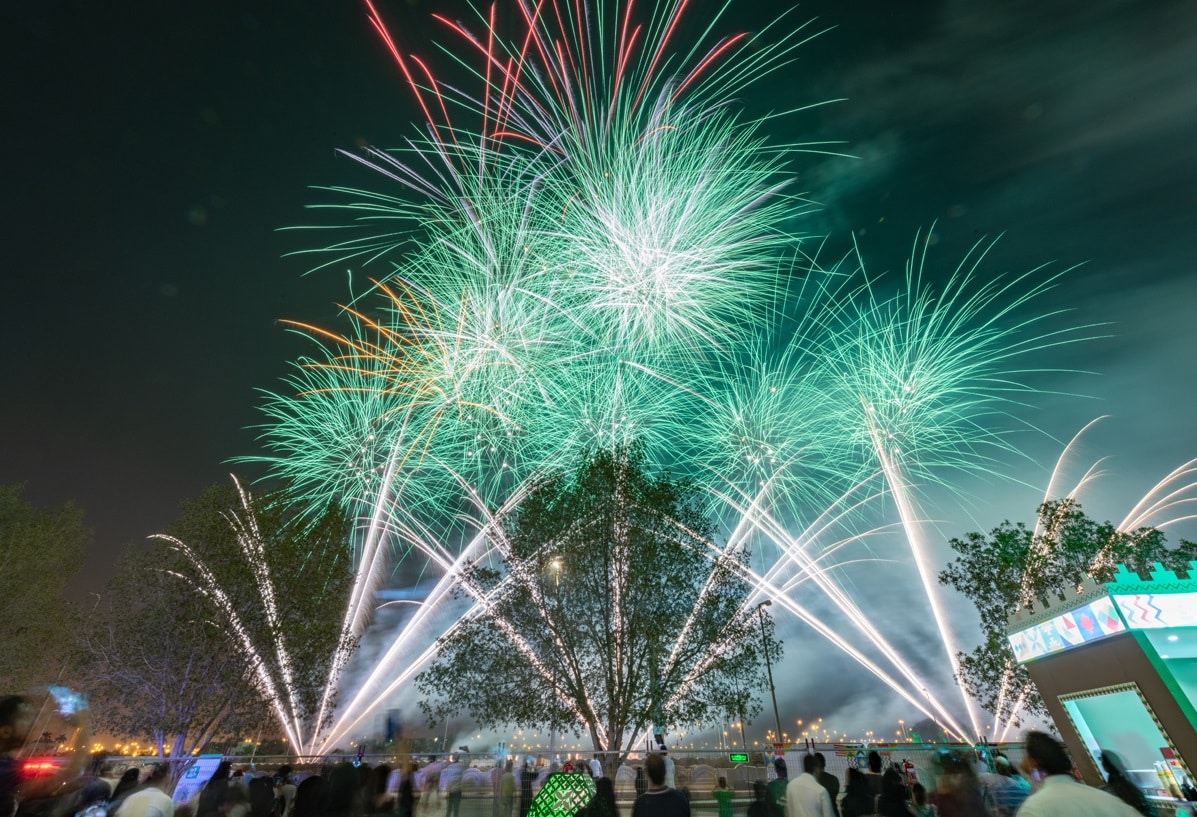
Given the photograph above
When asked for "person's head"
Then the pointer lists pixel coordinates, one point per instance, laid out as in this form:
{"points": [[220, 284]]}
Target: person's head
{"points": [[654, 767], [809, 764], [128, 781], [605, 790], [261, 797], [780, 766], [961, 767], [284, 773], [1112, 763], [855, 781], [760, 792], [94, 790], [875, 762], [723, 782], [159, 775], [822, 761], [309, 797], [891, 783], [341, 791], [1046, 755], [16, 718], [918, 793], [212, 796]]}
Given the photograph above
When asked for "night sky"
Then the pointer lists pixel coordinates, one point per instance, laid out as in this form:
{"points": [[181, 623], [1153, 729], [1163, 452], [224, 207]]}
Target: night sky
{"points": [[153, 150]]}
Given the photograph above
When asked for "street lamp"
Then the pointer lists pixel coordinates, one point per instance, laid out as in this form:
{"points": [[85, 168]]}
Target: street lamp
{"points": [[768, 667]]}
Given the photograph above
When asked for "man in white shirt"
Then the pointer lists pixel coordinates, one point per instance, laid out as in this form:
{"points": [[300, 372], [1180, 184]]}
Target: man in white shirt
{"points": [[805, 795], [151, 800], [670, 769], [1061, 795], [596, 767]]}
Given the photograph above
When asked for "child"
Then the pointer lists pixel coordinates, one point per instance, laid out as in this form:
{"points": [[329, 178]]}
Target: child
{"points": [[919, 808], [723, 796]]}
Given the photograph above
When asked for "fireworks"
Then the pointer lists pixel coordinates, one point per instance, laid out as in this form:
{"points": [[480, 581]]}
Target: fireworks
{"points": [[275, 622], [1167, 503], [592, 247]]}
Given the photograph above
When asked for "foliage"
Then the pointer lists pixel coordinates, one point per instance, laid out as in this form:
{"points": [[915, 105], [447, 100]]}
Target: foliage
{"points": [[198, 634], [278, 579], [41, 550], [154, 663], [609, 608], [1016, 563]]}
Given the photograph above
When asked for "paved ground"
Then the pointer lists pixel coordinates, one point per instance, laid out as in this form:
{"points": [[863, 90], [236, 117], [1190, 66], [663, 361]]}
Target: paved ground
{"points": [[485, 807]]}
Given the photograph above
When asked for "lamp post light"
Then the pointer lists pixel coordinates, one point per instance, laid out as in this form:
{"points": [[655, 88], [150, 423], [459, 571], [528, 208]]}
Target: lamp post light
{"points": [[768, 667]]}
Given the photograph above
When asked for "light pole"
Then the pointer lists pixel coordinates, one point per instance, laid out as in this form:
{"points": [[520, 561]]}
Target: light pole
{"points": [[768, 667], [556, 565]]}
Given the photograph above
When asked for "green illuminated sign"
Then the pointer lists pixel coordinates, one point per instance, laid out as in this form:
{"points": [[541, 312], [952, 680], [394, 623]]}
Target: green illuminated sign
{"points": [[738, 757], [562, 795]]}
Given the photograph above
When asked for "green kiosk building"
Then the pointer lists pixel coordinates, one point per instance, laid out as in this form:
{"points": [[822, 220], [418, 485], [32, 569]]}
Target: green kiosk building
{"points": [[1116, 665]]}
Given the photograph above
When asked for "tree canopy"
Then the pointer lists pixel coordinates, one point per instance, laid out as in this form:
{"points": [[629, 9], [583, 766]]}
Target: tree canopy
{"points": [[1015, 563], [156, 665], [41, 550], [609, 608], [237, 609]]}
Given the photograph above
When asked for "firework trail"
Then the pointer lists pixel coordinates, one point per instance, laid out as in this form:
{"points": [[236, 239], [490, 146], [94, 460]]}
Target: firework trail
{"points": [[927, 377], [270, 660], [625, 265], [1164, 505], [592, 248]]}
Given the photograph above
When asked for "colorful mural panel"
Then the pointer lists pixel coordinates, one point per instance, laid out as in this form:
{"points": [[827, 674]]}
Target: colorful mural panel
{"points": [[1086, 623]]}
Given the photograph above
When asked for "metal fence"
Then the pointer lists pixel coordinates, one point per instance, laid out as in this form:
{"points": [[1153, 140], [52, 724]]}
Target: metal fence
{"points": [[695, 772]]}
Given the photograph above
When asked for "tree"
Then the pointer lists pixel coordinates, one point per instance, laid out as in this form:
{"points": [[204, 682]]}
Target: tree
{"points": [[246, 597], [1014, 564], [156, 665], [41, 550], [609, 607], [278, 578]]}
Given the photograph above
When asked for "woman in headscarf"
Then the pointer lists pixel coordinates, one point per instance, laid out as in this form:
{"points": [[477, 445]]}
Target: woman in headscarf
{"points": [[1119, 785]]}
